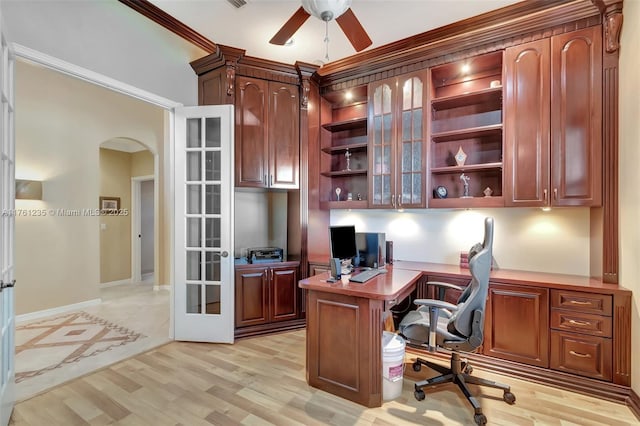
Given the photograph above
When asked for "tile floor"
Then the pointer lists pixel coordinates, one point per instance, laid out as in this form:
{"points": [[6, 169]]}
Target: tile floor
{"points": [[131, 319]]}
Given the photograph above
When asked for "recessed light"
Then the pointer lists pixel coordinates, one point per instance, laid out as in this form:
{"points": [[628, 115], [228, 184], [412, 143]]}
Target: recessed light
{"points": [[290, 42], [348, 96], [465, 68]]}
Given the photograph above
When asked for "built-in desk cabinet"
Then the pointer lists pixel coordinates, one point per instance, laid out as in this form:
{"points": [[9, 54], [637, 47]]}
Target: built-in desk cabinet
{"points": [[553, 116], [265, 296]]}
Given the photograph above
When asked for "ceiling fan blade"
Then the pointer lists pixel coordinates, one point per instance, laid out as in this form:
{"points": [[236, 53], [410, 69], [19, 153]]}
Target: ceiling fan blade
{"points": [[354, 30], [290, 27]]}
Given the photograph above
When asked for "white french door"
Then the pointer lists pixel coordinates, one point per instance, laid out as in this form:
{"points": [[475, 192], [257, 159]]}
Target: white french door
{"points": [[7, 222], [203, 252]]}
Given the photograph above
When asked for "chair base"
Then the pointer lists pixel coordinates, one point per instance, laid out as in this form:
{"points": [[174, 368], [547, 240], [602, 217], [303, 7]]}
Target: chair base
{"points": [[460, 374]]}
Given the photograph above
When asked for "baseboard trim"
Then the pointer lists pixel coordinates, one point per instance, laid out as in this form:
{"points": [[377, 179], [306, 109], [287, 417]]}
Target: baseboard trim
{"points": [[633, 402], [115, 283], [558, 379], [55, 311], [158, 287]]}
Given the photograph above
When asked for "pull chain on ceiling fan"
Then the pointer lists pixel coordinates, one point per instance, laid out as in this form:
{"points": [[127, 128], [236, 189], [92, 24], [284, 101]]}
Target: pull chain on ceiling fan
{"points": [[326, 10]]}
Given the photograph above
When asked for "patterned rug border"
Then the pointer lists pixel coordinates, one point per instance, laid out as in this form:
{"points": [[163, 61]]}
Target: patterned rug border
{"points": [[131, 336]]}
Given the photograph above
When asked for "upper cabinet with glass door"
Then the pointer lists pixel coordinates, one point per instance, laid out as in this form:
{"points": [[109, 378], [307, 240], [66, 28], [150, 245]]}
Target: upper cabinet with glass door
{"points": [[466, 133], [396, 142]]}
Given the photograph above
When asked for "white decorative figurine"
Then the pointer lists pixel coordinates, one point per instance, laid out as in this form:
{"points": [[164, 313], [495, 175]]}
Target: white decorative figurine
{"points": [[338, 191]]}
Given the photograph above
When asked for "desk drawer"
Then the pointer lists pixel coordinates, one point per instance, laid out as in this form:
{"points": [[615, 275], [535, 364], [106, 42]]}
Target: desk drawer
{"points": [[579, 322], [601, 304], [579, 354]]}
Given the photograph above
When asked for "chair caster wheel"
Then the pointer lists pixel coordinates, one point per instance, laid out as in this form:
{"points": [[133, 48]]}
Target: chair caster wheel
{"points": [[417, 366], [468, 369], [480, 419], [509, 398], [419, 394]]}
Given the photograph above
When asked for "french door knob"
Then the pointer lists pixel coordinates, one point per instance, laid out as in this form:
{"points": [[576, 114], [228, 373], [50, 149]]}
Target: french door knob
{"points": [[224, 254]]}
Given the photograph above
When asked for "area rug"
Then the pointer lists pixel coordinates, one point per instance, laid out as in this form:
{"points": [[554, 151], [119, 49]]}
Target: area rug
{"points": [[51, 343]]}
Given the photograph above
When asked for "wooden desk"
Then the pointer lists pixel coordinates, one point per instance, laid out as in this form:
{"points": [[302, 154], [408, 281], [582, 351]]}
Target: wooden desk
{"points": [[568, 331], [344, 332]]}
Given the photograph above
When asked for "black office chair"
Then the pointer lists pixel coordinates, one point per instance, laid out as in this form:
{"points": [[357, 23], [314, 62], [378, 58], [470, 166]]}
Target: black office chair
{"points": [[458, 328]]}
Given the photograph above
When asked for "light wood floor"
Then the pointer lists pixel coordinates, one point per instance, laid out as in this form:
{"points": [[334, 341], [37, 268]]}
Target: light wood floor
{"points": [[261, 381]]}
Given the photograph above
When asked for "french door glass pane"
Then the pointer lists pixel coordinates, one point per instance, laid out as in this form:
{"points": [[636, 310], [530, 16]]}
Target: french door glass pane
{"points": [[213, 132], [212, 232], [193, 166], [212, 165], [417, 157], [212, 198], [193, 266], [212, 270], [193, 199], [213, 299], [193, 232], [193, 132], [194, 299]]}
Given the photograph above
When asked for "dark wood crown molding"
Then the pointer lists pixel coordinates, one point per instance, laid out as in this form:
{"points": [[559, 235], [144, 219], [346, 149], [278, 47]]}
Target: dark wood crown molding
{"points": [[159, 16]]}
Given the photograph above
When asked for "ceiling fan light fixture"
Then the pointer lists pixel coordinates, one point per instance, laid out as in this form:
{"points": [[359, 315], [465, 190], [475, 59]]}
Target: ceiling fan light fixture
{"points": [[326, 10]]}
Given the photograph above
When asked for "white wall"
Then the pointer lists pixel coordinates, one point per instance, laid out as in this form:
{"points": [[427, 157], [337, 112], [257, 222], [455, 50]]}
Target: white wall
{"points": [[629, 173], [60, 124], [109, 38], [527, 239]]}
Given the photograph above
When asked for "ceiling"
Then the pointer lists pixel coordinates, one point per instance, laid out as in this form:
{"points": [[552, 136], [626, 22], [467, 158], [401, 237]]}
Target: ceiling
{"points": [[251, 26]]}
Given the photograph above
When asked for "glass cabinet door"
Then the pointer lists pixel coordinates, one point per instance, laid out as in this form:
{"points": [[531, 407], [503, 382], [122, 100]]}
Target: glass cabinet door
{"points": [[410, 163], [381, 147]]}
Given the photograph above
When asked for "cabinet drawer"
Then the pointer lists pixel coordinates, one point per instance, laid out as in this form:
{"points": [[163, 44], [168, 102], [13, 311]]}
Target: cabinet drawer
{"points": [[579, 354], [582, 302], [581, 322]]}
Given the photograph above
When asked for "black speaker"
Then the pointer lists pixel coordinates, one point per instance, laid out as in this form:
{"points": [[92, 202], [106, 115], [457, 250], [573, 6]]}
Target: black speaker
{"points": [[389, 252], [336, 268]]}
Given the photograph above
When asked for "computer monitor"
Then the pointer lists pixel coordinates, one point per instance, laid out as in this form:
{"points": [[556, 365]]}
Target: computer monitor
{"points": [[342, 240]]}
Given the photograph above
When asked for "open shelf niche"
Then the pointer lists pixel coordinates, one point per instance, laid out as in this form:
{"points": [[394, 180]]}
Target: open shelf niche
{"points": [[467, 115], [343, 136]]}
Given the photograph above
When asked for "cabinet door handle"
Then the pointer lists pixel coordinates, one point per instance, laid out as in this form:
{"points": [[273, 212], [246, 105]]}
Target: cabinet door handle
{"points": [[555, 193], [266, 182], [270, 180], [393, 200], [576, 322], [544, 195], [399, 201], [579, 355]]}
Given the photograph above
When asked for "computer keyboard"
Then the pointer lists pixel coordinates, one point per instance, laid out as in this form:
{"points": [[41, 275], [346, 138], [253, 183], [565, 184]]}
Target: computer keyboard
{"points": [[364, 276]]}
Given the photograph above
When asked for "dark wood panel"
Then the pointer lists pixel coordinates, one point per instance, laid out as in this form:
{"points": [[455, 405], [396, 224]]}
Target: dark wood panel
{"points": [[527, 131], [283, 135], [251, 297], [584, 355], [519, 319], [212, 88], [576, 120], [251, 149], [284, 292]]}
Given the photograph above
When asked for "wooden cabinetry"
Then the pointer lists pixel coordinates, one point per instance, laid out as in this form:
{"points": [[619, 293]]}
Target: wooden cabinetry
{"points": [[397, 131], [266, 294], [466, 115], [343, 157], [581, 333], [267, 134], [553, 116], [518, 319]]}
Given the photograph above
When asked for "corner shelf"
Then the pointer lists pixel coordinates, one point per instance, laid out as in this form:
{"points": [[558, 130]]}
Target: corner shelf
{"points": [[339, 126], [466, 168], [339, 149], [458, 203], [342, 173], [492, 94], [470, 133]]}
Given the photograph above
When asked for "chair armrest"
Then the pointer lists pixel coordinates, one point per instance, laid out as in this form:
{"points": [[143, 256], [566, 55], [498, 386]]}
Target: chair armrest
{"points": [[434, 312], [432, 303], [443, 284]]}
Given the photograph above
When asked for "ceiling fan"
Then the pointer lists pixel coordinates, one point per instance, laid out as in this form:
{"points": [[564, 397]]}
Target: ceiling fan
{"points": [[326, 10]]}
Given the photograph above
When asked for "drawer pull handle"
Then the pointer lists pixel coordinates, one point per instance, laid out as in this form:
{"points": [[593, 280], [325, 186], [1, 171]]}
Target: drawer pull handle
{"points": [[576, 322], [579, 302], [578, 354]]}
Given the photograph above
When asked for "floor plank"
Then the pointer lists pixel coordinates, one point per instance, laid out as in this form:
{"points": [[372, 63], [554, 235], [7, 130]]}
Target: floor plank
{"points": [[261, 381]]}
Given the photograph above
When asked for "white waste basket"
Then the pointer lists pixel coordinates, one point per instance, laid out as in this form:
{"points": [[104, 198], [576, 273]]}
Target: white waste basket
{"points": [[392, 365]]}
